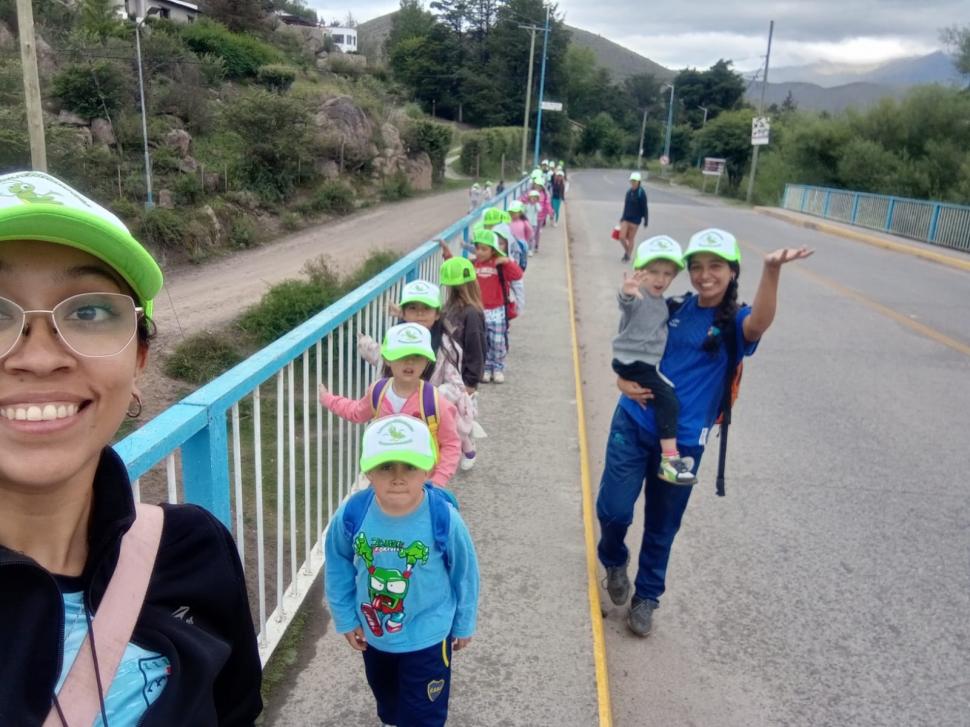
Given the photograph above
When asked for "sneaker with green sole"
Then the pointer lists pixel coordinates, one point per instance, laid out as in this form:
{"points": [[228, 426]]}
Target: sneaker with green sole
{"points": [[676, 471], [640, 618]]}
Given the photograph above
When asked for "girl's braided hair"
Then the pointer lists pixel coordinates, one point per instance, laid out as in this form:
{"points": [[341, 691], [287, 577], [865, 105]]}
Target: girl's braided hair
{"points": [[725, 313]]}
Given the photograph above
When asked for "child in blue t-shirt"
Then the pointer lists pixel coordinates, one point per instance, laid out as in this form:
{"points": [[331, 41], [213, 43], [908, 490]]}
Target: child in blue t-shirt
{"points": [[402, 576]]}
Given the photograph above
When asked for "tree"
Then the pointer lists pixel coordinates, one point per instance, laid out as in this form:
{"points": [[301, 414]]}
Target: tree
{"points": [[98, 18], [728, 136], [957, 39], [718, 89], [789, 105], [237, 15]]}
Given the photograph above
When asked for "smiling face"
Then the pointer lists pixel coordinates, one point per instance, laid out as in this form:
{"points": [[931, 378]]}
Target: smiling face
{"points": [[398, 487], [423, 315], [658, 275], [58, 409], [484, 253], [408, 370], [710, 275]]}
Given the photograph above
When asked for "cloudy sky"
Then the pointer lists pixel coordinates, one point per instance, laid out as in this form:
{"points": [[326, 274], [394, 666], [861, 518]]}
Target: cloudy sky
{"points": [[698, 32]]}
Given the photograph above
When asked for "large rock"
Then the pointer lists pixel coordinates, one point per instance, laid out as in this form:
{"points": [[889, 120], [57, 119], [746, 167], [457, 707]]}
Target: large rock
{"points": [[165, 199], [83, 135], [218, 232], [342, 123], [327, 168], [46, 60], [102, 132], [419, 171], [180, 140], [188, 165], [68, 118], [392, 141]]}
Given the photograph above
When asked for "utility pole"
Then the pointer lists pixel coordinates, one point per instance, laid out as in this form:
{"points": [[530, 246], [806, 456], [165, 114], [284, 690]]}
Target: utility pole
{"points": [[542, 88], [761, 112], [32, 100], [528, 94], [703, 124], [670, 122], [643, 133]]}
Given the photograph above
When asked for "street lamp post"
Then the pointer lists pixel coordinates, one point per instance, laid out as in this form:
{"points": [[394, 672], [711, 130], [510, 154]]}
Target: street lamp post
{"points": [[703, 124], [670, 121], [149, 200]]}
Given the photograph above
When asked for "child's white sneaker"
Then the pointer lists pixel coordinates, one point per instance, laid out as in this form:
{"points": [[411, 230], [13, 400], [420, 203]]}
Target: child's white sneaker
{"points": [[487, 377], [531, 253], [498, 377], [468, 461]]}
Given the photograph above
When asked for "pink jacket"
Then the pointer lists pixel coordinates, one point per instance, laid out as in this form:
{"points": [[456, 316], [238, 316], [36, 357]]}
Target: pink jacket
{"points": [[545, 206], [449, 446], [522, 230]]}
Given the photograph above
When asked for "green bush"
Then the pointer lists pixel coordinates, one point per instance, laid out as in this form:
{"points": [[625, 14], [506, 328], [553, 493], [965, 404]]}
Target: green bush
{"points": [[276, 77], [213, 69], [90, 89], [163, 228], [377, 262], [333, 197], [484, 149], [396, 187], [188, 189], [284, 307], [430, 137], [291, 221], [242, 232], [344, 66], [203, 356], [243, 54]]}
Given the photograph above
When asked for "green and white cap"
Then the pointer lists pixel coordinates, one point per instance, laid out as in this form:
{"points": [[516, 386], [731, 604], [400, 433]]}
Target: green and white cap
{"points": [[407, 339], [716, 241], [492, 216], [421, 291], [516, 206], [397, 438], [489, 239], [37, 206], [636, 177], [457, 271], [534, 192], [660, 247]]}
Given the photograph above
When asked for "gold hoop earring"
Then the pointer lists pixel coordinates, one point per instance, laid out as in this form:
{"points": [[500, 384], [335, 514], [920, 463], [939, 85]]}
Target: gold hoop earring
{"points": [[134, 409]]}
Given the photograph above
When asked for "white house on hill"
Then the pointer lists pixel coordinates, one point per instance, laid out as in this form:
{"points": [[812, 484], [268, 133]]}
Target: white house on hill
{"points": [[344, 38], [178, 11]]}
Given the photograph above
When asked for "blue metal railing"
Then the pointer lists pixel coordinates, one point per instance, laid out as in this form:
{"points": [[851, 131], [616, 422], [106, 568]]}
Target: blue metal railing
{"points": [[202, 433], [939, 223]]}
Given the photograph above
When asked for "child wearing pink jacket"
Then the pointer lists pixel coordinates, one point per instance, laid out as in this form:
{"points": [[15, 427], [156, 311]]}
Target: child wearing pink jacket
{"points": [[408, 354]]}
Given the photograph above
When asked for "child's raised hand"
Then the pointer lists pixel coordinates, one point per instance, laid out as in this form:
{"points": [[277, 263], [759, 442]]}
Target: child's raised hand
{"points": [[632, 283], [356, 639], [445, 249], [395, 310], [459, 644], [787, 255], [322, 391]]}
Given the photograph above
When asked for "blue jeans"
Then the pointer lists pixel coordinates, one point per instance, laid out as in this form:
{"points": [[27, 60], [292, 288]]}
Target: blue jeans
{"points": [[632, 458]]}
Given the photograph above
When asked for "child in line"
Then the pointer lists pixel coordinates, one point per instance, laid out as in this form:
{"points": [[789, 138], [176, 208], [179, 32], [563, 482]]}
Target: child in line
{"points": [[401, 576], [640, 343], [464, 311], [488, 193], [474, 197], [521, 228], [520, 254], [421, 303], [532, 206], [409, 357]]}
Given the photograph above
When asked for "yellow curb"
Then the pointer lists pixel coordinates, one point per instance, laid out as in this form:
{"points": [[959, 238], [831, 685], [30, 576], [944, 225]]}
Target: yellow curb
{"points": [[592, 569], [868, 239]]}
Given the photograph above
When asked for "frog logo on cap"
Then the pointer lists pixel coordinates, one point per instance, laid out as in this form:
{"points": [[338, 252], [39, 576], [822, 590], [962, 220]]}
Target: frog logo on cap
{"points": [[420, 288], [410, 335], [395, 434], [711, 239], [662, 243], [27, 194]]}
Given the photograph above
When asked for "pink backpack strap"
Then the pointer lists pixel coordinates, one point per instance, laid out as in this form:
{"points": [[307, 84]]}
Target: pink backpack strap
{"points": [[114, 622]]}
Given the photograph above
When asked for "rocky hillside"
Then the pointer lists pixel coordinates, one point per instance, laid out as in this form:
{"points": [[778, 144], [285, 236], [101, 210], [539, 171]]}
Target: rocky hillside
{"points": [[250, 134]]}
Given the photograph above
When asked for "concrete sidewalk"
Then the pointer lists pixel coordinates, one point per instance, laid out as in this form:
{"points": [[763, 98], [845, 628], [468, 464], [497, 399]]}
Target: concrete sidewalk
{"points": [[532, 661]]}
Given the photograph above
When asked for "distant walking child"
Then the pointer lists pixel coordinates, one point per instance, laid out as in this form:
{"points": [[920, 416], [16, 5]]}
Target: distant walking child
{"points": [[521, 227], [532, 207], [401, 576], [558, 194], [474, 197], [421, 303], [639, 346], [409, 357]]}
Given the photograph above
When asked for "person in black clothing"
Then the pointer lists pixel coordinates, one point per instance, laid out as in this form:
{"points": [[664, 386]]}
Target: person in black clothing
{"points": [[634, 212], [76, 296]]}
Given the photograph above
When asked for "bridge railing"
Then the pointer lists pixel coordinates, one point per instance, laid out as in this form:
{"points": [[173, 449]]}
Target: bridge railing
{"points": [[938, 223], [256, 449]]}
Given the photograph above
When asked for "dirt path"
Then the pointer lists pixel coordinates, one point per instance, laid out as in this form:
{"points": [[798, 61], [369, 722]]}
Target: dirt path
{"points": [[201, 297]]}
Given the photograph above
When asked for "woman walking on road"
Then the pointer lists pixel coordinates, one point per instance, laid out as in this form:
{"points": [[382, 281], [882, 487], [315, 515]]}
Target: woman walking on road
{"points": [[634, 212], [111, 613], [702, 331]]}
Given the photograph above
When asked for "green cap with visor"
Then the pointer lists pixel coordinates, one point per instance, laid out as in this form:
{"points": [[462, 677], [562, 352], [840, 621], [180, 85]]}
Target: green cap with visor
{"points": [[407, 339], [660, 247], [492, 216], [457, 271], [36, 206], [397, 438], [421, 291], [717, 242], [488, 239]]}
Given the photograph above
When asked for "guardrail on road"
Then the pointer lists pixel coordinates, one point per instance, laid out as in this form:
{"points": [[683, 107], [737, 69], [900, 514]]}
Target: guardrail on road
{"points": [[290, 470], [939, 223]]}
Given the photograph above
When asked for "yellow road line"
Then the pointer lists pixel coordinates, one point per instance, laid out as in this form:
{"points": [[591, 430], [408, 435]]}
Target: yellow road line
{"points": [[830, 229], [592, 569], [902, 319]]}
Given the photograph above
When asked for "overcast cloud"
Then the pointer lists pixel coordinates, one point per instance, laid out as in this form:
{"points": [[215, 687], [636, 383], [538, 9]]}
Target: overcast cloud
{"points": [[698, 32]]}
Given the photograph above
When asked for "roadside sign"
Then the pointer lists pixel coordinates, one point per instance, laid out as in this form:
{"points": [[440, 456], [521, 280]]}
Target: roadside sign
{"points": [[664, 160], [760, 130], [552, 106], [714, 167]]}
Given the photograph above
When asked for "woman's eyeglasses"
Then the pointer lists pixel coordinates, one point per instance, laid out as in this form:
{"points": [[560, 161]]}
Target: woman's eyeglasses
{"points": [[93, 325]]}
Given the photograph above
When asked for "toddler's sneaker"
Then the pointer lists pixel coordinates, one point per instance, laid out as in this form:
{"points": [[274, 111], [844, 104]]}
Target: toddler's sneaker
{"points": [[531, 253], [487, 377], [498, 377], [676, 471], [468, 461]]}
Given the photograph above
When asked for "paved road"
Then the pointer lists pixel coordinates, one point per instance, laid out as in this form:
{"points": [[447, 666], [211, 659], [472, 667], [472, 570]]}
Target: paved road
{"points": [[531, 663], [832, 585]]}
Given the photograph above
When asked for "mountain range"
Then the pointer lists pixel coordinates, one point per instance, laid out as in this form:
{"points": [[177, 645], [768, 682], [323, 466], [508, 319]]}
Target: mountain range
{"points": [[823, 86]]}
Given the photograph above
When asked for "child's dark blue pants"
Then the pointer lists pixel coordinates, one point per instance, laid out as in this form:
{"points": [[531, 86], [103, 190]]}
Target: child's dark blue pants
{"points": [[411, 688]]}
